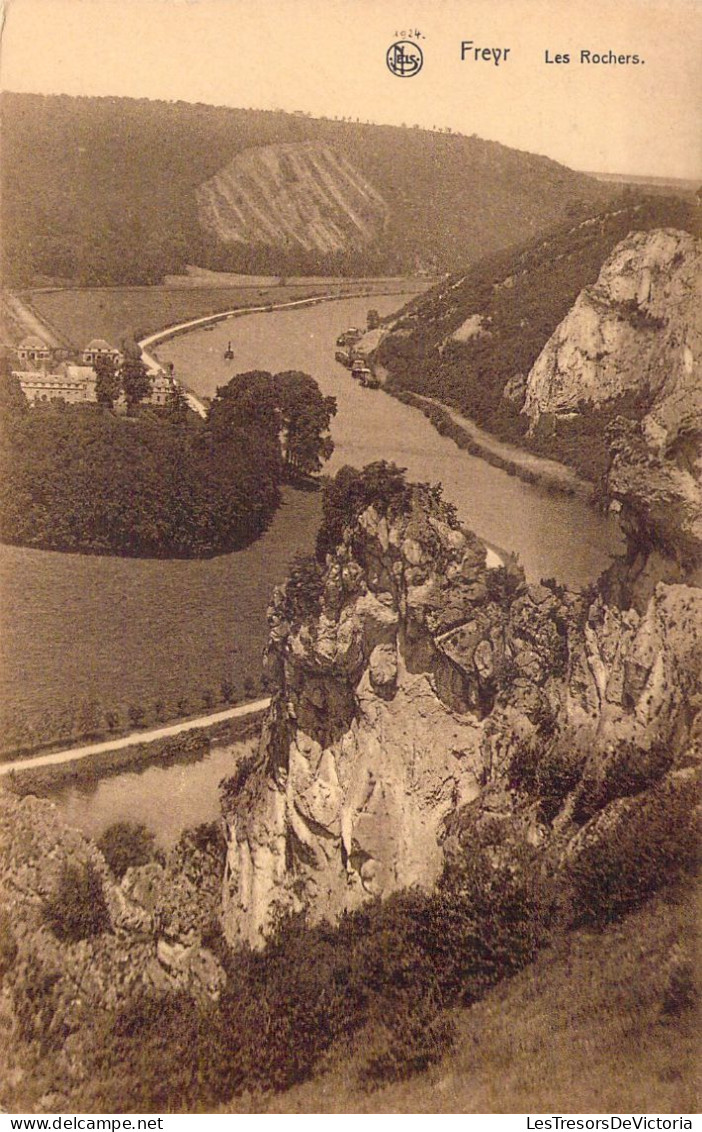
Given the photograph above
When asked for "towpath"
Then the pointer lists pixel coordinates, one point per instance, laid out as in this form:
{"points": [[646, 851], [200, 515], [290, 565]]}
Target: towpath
{"points": [[545, 471], [73, 754]]}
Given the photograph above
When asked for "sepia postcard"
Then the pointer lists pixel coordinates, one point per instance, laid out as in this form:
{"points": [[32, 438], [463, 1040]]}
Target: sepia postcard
{"points": [[350, 560]]}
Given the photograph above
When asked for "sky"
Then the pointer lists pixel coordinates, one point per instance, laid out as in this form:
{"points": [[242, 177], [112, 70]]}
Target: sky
{"points": [[328, 57]]}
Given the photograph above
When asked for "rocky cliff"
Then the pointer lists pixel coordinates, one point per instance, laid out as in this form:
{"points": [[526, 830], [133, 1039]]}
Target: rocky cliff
{"points": [[637, 330], [422, 699], [299, 194], [55, 986], [634, 339]]}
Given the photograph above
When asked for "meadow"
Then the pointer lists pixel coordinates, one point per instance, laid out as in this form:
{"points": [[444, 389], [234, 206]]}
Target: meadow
{"points": [[80, 314], [90, 643]]}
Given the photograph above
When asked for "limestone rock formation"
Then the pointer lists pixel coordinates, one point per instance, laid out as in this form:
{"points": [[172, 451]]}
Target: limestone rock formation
{"points": [[52, 989], [301, 195], [638, 332], [410, 682]]}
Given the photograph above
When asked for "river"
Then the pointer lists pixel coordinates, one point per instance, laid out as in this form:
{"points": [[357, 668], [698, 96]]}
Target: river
{"points": [[554, 535]]}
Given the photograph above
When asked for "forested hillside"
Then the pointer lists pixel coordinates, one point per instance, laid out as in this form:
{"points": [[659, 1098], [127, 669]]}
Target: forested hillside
{"points": [[105, 190], [471, 341]]}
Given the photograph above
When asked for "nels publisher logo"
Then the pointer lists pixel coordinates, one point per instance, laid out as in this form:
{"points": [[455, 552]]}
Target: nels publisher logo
{"points": [[404, 59]]}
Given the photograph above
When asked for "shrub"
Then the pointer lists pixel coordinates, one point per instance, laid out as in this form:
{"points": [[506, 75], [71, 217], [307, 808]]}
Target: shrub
{"points": [[8, 943], [557, 773], [410, 1036], [627, 770], [649, 842], [302, 595], [77, 910], [35, 1000], [126, 845], [680, 992]]}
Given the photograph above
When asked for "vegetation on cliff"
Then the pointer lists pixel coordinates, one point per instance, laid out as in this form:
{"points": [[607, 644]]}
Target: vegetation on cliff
{"points": [[518, 298], [582, 814]]}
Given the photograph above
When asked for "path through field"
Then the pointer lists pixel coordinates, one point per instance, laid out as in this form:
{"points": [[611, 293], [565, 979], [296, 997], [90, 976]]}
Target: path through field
{"points": [[72, 754]]}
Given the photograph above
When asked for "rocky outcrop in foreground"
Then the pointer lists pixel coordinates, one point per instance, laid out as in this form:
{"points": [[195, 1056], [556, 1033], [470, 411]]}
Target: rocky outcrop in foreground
{"points": [[149, 938], [422, 698]]}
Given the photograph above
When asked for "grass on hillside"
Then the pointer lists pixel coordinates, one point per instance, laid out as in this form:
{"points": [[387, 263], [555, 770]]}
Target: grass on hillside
{"points": [[603, 1021], [80, 314], [82, 636]]}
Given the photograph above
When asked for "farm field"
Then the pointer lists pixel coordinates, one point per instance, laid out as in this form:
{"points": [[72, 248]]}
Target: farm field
{"points": [[80, 314], [84, 636]]}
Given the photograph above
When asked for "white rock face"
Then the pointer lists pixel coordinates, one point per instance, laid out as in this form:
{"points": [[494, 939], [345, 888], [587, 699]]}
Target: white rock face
{"points": [[403, 698], [637, 329]]}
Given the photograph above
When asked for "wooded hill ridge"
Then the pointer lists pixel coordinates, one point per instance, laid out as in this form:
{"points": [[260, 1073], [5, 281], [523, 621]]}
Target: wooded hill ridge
{"points": [[104, 191], [471, 341]]}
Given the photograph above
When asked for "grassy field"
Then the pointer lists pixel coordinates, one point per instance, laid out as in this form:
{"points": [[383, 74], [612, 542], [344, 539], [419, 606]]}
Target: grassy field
{"points": [[595, 1024], [88, 635], [80, 314]]}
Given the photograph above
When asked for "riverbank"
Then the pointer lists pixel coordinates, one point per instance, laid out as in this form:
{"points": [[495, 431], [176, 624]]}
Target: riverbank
{"points": [[187, 741], [78, 314], [468, 436]]}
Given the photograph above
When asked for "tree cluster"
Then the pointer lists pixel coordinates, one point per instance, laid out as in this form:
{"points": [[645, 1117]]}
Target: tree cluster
{"points": [[130, 377], [287, 408], [162, 483]]}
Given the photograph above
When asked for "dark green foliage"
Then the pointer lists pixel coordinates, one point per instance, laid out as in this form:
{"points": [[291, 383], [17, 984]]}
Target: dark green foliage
{"points": [[385, 974], [409, 1037], [164, 484], [303, 589], [126, 845], [522, 296], [651, 842], [207, 837], [233, 785], [84, 202], [351, 491], [77, 909], [77, 478], [287, 408], [135, 380], [557, 772], [8, 943], [639, 317], [35, 1008], [625, 770], [107, 383], [681, 991]]}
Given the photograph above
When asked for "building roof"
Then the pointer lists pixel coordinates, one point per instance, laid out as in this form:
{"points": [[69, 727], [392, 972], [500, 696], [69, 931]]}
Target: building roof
{"points": [[98, 344], [33, 343]]}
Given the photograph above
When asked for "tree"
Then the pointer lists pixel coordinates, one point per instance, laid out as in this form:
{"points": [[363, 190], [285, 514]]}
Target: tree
{"points": [[108, 384], [249, 401], [305, 419], [77, 909], [177, 406], [135, 380], [126, 845], [287, 409]]}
